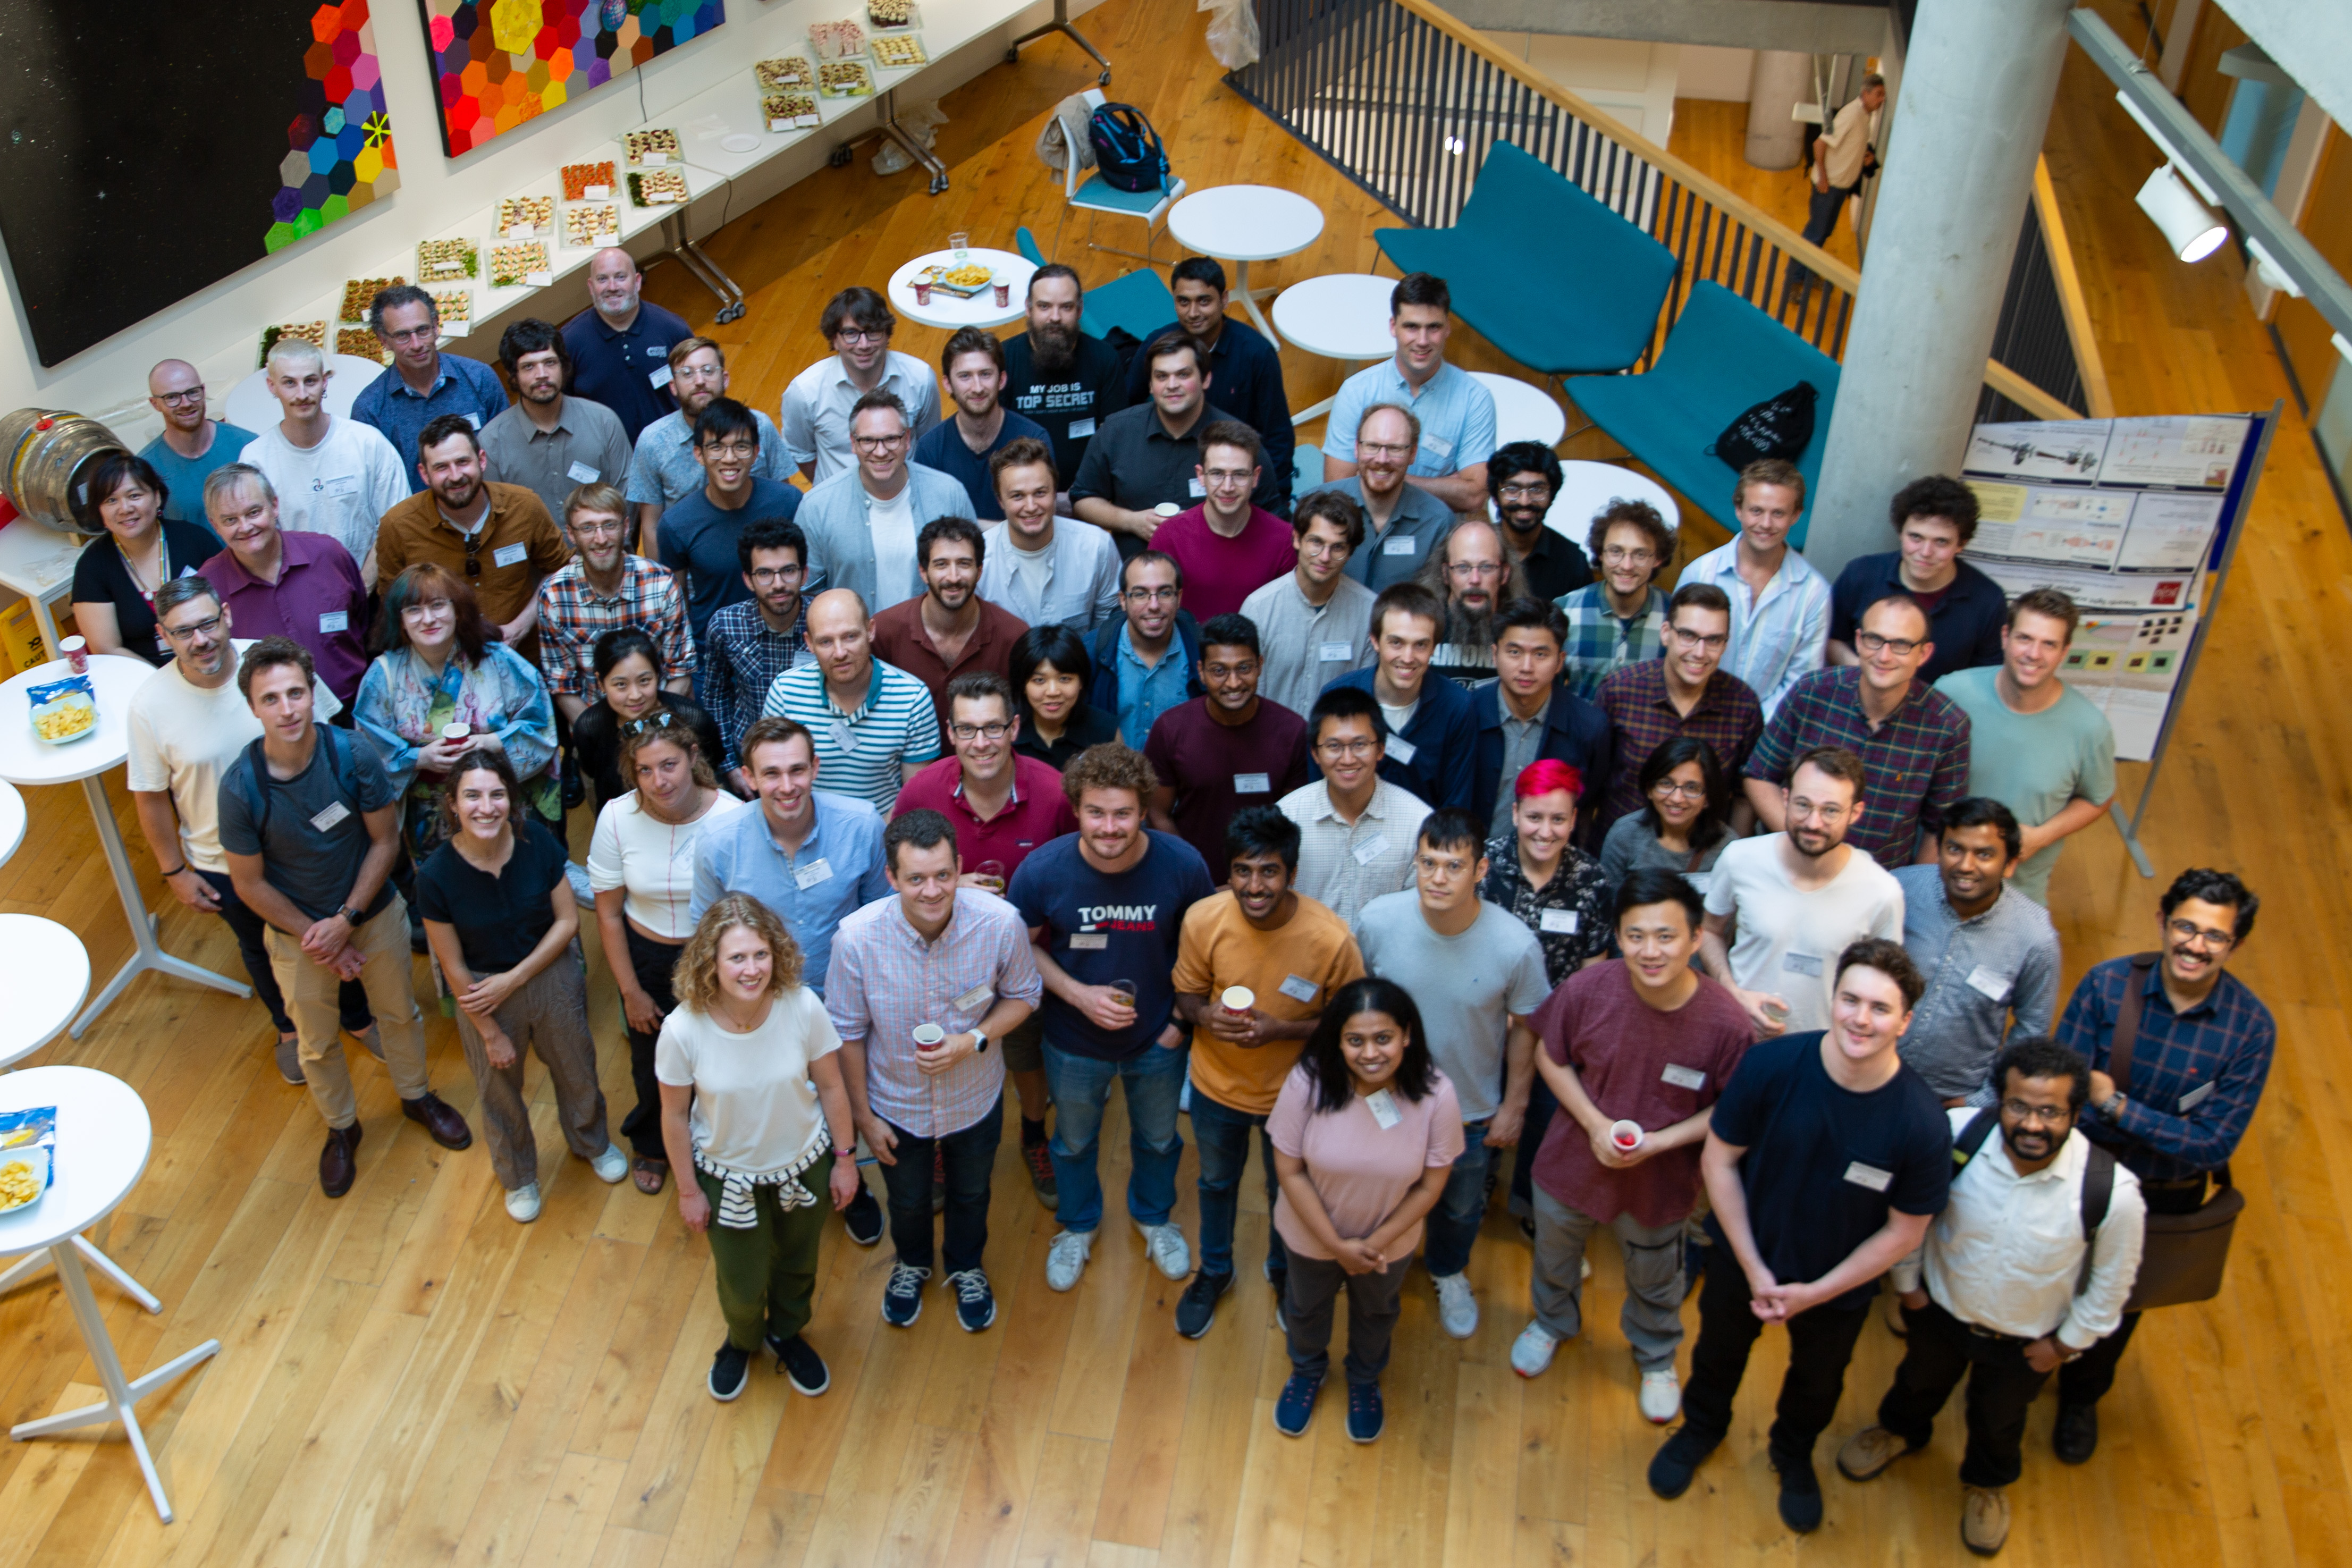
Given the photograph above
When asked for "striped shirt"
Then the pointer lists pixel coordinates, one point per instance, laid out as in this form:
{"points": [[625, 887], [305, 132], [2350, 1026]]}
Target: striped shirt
{"points": [[1345, 866], [1778, 638], [1980, 974], [862, 753], [1915, 765], [2195, 1079], [1455, 410], [1600, 642], [573, 616], [883, 980]]}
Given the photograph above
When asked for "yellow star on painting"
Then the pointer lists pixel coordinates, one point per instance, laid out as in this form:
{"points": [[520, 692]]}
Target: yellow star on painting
{"points": [[377, 127]]}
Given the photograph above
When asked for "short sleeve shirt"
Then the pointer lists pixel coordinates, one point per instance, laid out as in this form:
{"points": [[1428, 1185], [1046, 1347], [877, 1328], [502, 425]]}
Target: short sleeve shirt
{"points": [[943, 448], [1101, 926], [1468, 987], [311, 838], [696, 541], [183, 478], [2034, 763], [754, 1109], [1292, 971], [102, 577], [1217, 769], [626, 369], [1456, 413], [1220, 572], [862, 753], [1360, 1170], [1070, 403], [183, 738], [1788, 939], [1038, 814], [501, 917]]}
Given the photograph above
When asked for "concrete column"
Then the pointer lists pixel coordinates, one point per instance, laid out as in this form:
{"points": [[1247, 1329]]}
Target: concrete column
{"points": [[1778, 80], [1977, 90]]}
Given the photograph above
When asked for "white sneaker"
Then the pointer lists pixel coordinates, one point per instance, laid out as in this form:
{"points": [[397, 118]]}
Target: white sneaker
{"points": [[1067, 1258], [1531, 1352], [1164, 1245], [1584, 1269], [1662, 1394], [522, 1203], [612, 1166], [1457, 1308]]}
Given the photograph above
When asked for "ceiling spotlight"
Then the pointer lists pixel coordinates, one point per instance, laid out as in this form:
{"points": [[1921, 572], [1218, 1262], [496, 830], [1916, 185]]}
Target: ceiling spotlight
{"points": [[2269, 272], [2188, 225]]}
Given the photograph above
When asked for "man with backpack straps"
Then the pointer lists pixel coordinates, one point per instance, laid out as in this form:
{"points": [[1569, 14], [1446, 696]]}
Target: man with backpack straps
{"points": [[310, 826], [2027, 1268]]}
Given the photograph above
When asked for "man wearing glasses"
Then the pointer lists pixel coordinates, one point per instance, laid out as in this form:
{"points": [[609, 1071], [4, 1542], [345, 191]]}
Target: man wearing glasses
{"points": [[1313, 620], [1621, 619], [1912, 739], [820, 407], [191, 446], [1356, 828], [1403, 524], [861, 524], [498, 536], [662, 470], [1522, 478], [1225, 750], [949, 629], [2199, 1056], [423, 385], [1475, 577], [1144, 660], [604, 587], [1228, 546], [747, 643], [1688, 692], [696, 536]]}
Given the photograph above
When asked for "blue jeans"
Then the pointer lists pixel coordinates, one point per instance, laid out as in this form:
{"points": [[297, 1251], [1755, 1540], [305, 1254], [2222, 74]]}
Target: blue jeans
{"points": [[1220, 1136], [1461, 1207], [1081, 1088]]}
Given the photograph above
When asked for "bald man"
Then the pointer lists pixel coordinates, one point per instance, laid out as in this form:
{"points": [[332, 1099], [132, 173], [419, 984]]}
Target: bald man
{"points": [[873, 724], [191, 446], [620, 345]]}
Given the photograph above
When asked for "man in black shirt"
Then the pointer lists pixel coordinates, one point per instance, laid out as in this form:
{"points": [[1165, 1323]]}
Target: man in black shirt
{"points": [[1826, 1160], [1245, 367], [1144, 465], [1934, 518], [1057, 375], [1523, 478]]}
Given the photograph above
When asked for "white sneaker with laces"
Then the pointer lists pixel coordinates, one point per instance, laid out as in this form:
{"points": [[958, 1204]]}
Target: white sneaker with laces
{"points": [[522, 1203], [1531, 1352], [1662, 1394], [1067, 1258], [612, 1166], [1164, 1245], [1457, 1307]]}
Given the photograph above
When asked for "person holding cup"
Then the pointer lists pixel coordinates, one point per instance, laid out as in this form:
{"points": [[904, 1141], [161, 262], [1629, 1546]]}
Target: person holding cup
{"points": [[920, 988], [1635, 1049]]}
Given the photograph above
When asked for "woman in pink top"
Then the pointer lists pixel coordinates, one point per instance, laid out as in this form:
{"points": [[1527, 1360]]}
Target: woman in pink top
{"points": [[1364, 1134]]}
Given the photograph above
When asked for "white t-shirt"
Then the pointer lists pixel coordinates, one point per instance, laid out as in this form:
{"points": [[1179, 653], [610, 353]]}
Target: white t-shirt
{"points": [[754, 1108], [1787, 942], [183, 738], [340, 488], [652, 861], [1400, 714], [893, 524]]}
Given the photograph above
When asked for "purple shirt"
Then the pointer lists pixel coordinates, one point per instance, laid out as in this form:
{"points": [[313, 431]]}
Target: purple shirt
{"points": [[318, 600], [1220, 572]]}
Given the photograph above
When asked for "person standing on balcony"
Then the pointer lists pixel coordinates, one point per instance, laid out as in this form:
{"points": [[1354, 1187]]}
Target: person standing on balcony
{"points": [[1843, 156]]}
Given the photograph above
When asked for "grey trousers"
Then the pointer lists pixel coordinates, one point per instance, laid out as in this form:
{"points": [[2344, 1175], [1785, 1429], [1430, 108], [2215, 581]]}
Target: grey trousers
{"points": [[549, 1015], [1653, 1279], [1313, 1292]]}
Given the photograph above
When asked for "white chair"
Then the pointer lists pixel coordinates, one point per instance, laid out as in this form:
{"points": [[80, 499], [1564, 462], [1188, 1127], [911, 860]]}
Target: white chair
{"points": [[1093, 195]]}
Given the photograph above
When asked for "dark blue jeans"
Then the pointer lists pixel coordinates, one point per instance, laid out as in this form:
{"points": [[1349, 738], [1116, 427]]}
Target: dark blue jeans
{"points": [[351, 996], [1541, 1108], [1461, 1207], [1081, 1087], [1220, 1135], [968, 1155]]}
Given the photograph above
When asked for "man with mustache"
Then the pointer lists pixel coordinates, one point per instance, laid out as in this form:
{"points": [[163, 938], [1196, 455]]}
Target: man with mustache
{"points": [[335, 477], [1059, 376], [1403, 524], [1993, 1295], [498, 537], [1522, 478], [948, 629], [1475, 577]]}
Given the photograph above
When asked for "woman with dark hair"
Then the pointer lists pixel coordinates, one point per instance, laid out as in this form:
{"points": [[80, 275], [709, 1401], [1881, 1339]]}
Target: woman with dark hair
{"points": [[1051, 674], [1365, 1132], [436, 667], [500, 920], [115, 577], [629, 677], [1683, 822]]}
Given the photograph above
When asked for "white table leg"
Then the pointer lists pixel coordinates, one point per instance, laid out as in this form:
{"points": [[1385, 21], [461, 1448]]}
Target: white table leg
{"points": [[122, 1403], [32, 1263], [1249, 303], [148, 954], [1315, 410]]}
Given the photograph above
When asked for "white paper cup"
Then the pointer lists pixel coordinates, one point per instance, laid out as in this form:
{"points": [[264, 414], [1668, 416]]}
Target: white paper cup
{"points": [[456, 732], [928, 1036], [1238, 998], [1626, 1135], [1168, 508]]}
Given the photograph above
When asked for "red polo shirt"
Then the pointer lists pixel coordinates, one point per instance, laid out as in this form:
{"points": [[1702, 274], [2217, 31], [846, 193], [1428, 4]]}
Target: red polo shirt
{"points": [[901, 641], [1037, 812]]}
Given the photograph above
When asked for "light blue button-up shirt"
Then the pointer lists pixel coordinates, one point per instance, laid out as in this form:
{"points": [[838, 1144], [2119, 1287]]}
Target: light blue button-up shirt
{"points": [[837, 870], [465, 387], [1146, 691], [1778, 639], [1456, 415]]}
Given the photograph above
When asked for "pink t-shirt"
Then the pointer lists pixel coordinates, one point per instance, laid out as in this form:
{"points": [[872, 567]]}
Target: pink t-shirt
{"points": [[1220, 572], [1360, 1170]]}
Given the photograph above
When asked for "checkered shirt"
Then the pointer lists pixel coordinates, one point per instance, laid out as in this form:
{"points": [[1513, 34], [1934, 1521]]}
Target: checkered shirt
{"points": [[1598, 644], [2216, 1053], [573, 616], [1642, 718], [1913, 766]]}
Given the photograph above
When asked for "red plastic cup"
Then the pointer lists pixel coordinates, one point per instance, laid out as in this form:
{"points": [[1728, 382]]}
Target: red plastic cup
{"points": [[76, 655], [1004, 294], [1626, 1135], [922, 293]]}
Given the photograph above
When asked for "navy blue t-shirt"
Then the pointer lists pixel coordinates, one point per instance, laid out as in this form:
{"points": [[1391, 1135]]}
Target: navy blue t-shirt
{"points": [[1103, 928], [943, 448], [618, 369], [696, 541], [1824, 1164]]}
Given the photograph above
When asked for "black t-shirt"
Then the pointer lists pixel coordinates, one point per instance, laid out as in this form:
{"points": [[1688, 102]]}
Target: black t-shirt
{"points": [[500, 919], [1824, 1164], [1088, 726], [596, 741], [1090, 391], [100, 578]]}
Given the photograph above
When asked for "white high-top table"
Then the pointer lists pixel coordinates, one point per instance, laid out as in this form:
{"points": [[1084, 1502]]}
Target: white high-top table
{"points": [[1344, 315]]}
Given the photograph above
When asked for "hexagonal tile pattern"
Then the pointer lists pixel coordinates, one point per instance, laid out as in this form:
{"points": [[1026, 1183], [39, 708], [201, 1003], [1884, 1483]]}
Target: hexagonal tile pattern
{"points": [[500, 63], [342, 156]]}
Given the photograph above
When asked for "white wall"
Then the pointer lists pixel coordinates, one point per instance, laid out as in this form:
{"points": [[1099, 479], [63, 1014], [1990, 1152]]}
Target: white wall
{"points": [[1630, 80], [1712, 73]]}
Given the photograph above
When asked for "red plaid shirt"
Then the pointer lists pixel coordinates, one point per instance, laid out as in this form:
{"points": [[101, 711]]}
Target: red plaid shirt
{"points": [[1913, 766], [1642, 718], [573, 616]]}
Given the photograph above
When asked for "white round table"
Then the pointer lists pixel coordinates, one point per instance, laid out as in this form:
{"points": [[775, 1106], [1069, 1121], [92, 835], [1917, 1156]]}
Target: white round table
{"points": [[1343, 315], [1241, 223], [248, 403], [946, 311], [12, 820], [27, 759], [103, 1139], [1522, 413], [1587, 488], [45, 974]]}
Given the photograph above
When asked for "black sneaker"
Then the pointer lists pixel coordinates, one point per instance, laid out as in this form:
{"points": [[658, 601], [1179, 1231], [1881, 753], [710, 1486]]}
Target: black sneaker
{"points": [[975, 1302], [1197, 1307], [1280, 1279], [1366, 1415], [902, 1299], [2076, 1437], [1039, 1162], [730, 1369], [863, 1217], [1296, 1407], [1672, 1466], [1801, 1493], [798, 1361]]}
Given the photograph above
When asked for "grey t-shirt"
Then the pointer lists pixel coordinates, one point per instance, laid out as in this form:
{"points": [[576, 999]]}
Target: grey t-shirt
{"points": [[1468, 987], [1631, 846], [312, 838]]}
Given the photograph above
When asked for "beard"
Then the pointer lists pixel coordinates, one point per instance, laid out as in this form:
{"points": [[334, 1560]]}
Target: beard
{"points": [[1052, 347], [1469, 626]]}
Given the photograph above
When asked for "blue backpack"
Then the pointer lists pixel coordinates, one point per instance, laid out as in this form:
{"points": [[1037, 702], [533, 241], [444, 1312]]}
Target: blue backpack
{"points": [[1126, 150]]}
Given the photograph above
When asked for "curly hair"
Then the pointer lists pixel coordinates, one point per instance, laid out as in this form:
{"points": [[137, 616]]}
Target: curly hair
{"points": [[663, 727], [484, 759], [1110, 766], [694, 980]]}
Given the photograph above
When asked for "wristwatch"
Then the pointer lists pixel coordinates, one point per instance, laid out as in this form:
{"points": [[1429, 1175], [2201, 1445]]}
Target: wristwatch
{"points": [[979, 1043], [2113, 1106], [348, 914]]}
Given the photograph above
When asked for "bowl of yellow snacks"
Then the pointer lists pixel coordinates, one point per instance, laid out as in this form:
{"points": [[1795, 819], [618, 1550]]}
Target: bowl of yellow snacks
{"points": [[64, 711], [24, 1177]]}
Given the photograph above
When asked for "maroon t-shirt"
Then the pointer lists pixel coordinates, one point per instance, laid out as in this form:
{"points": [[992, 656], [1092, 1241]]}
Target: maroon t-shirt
{"points": [[1636, 1064], [1217, 769], [1220, 572], [1037, 812]]}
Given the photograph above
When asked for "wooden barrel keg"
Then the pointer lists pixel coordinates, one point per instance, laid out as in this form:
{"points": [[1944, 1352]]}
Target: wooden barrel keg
{"points": [[42, 455]]}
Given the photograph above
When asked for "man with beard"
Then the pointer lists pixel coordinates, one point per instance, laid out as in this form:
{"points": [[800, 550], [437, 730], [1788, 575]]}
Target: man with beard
{"points": [[1144, 465], [423, 383], [1059, 376], [1228, 546], [1998, 1293], [621, 344], [1225, 749], [192, 443], [1620, 619], [1143, 661], [822, 401], [1045, 569], [1527, 714], [1686, 692], [551, 443], [750, 642], [662, 470], [949, 629], [1403, 524], [1433, 730], [1475, 577], [602, 587], [696, 536], [497, 536], [862, 522], [963, 448], [1522, 478], [1247, 368]]}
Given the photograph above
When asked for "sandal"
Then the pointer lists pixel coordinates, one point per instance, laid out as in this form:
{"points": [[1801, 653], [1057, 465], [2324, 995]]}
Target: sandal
{"points": [[649, 1175]]}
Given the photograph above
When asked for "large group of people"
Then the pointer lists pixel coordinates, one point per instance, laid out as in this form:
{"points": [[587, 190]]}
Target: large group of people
{"points": [[1064, 733]]}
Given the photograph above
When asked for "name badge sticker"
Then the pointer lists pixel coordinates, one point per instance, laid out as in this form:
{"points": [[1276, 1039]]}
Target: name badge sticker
{"points": [[977, 997], [843, 737], [510, 555], [334, 621], [1558, 922], [581, 474], [1253, 784], [1081, 428], [341, 485], [1683, 1077], [1383, 1107], [1372, 848], [1401, 751], [475, 420], [1333, 653], [1298, 988], [1089, 942], [1870, 1176], [1398, 547], [1985, 981], [1195, 489], [1437, 446], [1804, 963], [332, 812], [659, 377], [809, 876], [2197, 1096]]}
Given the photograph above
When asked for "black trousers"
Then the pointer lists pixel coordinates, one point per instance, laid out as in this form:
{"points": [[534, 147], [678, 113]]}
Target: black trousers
{"points": [[1820, 1344], [2086, 1379], [652, 961], [969, 1156], [1938, 1352]]}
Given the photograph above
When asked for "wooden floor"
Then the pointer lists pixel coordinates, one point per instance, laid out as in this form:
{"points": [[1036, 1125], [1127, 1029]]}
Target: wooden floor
{"points": [[408, 1377]]}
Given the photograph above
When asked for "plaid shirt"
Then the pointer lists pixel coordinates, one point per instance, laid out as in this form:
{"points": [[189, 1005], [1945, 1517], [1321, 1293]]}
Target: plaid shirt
{"points": [[741, 656], [1599, 643], [2195, 1076], [1913, 766], [1642, 718], [573, 616], [1577, 899]]}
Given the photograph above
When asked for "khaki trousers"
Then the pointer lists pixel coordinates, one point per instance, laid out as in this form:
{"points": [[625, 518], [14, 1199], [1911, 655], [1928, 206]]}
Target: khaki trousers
{"points": [[546, 1014], [310, 990]]}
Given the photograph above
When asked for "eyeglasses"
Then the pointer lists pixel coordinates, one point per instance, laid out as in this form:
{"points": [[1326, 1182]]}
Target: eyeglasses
{"points": [[1621, 554], [192, 395], [878, 443], [699, 373], [1152, 596], [1240, 670], [861, 335], [763, 575], [412, 334], [2053, 1115], [1538, 491], [1474, 569], [1695, 789], [1901, 648], [1359, 748], [1383, 449], [193, 629], [742, 451], [1225, 476], [1715, 644], [2187, 931], [977, 731]]}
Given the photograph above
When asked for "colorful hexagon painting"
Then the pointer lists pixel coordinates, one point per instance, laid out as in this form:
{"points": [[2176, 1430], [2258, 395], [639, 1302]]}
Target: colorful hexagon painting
{"points": [[497, 63], [340, 154]]}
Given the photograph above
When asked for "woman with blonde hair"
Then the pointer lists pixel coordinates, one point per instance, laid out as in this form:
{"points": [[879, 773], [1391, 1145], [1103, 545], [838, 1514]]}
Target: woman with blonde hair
{"points": [[752, 1102]]}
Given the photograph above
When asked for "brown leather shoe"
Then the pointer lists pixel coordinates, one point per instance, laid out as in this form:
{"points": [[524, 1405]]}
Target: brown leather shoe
{"points": [[339, 1161], [1984, 1519], [436, 1117]]}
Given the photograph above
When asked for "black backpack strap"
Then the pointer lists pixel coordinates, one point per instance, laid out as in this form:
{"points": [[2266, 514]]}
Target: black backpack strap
{"points": [[2098, 1191], [257, 791], [1972, 1137]]}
